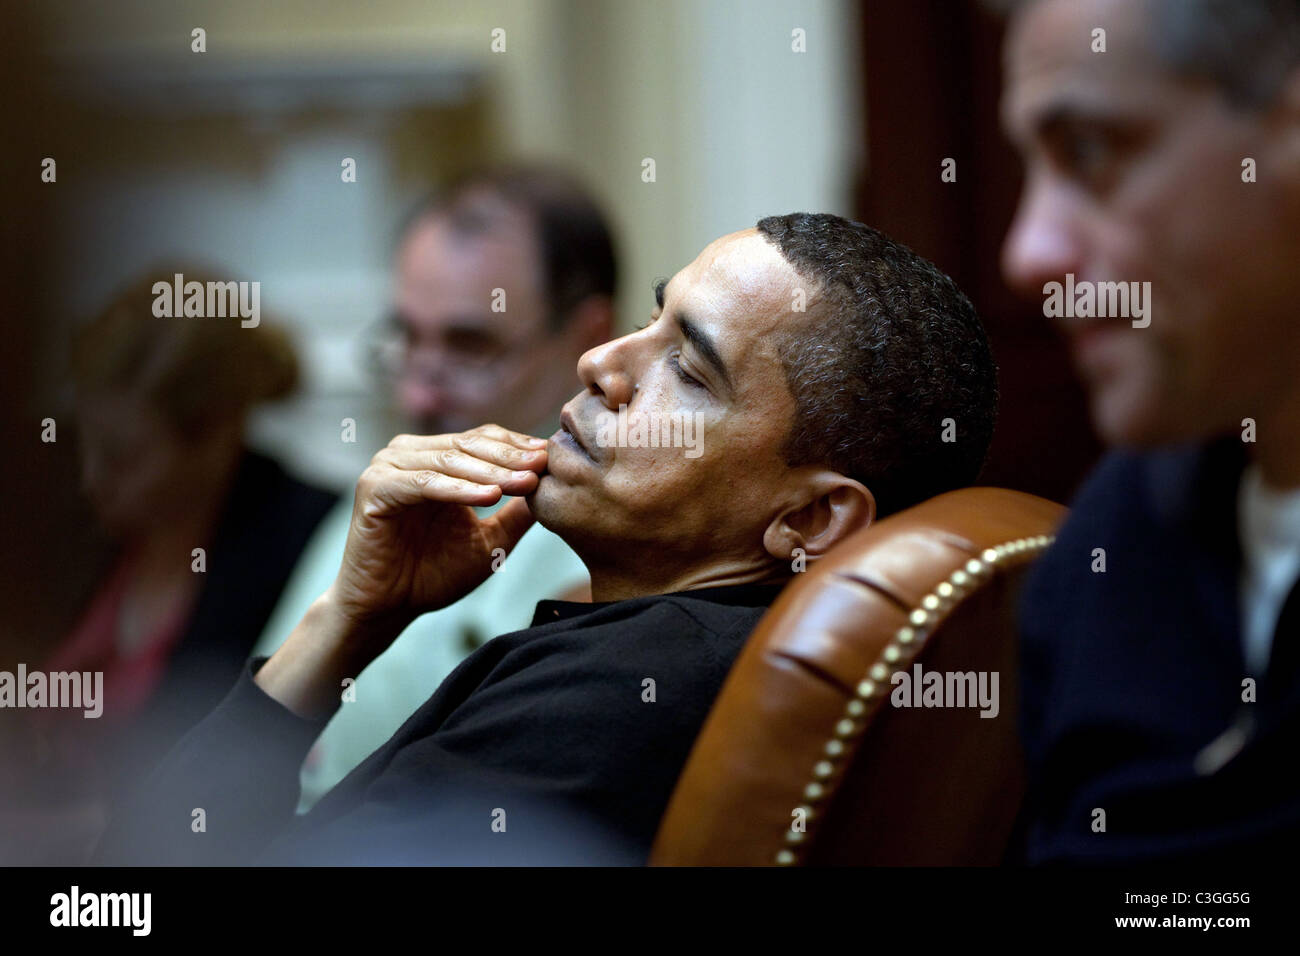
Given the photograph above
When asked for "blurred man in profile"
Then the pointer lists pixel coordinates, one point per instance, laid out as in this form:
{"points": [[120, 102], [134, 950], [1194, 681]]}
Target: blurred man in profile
{"points": [[1161, 700], [501, 282]]}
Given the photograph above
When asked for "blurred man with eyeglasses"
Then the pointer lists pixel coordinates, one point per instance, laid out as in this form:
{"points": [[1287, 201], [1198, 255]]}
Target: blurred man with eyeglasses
{"points": [[501, 282]]}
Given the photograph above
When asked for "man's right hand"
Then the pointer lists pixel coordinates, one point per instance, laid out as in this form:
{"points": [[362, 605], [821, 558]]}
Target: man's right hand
{"points": [[415, 543]]}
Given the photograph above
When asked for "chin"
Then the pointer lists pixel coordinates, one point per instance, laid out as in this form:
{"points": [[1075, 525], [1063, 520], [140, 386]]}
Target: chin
{"points": [[1121, 424], [546, 504], [567, 513], [1142, 421]]}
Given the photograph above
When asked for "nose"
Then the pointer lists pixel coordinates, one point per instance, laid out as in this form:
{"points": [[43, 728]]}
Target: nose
{"points": [[1042, 244], [609, 371], [421, 386], [420, 400]]}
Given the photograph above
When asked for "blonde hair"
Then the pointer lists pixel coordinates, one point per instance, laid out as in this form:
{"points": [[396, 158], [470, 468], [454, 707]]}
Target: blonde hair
{"points": [[197, 372]]}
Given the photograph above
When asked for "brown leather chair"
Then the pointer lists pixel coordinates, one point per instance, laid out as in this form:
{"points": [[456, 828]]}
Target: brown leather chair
{"points": [[805, 760]]}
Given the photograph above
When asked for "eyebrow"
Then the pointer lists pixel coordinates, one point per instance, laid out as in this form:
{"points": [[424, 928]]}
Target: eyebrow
{"points": [[1055, 116], [704, 345]]}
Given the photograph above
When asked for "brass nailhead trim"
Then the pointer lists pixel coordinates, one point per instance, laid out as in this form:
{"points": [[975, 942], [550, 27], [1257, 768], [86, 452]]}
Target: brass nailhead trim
{"points": [[920, 620]]}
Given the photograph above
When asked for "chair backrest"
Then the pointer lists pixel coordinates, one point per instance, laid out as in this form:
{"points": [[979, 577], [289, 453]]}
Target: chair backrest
{"points": [[808, 756]]}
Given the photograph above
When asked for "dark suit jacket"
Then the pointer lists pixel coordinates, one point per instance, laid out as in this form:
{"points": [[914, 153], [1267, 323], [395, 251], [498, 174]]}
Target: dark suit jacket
{"points": [[1129, 674]]}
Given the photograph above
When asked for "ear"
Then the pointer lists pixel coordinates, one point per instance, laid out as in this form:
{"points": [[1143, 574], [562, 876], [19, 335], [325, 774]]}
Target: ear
{"points": [[591, 322], [830, 508]]}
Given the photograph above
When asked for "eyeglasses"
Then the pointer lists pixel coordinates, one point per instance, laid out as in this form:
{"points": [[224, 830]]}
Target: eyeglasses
{"points": [[392, 351]]}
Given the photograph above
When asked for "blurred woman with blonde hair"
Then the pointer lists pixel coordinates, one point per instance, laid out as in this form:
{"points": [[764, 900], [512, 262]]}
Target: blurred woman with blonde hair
{"points": [[207, 530]]}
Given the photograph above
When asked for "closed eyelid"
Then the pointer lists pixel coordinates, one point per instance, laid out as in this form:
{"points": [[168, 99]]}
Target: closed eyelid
{"points": [[695, 338], [683, 374]]}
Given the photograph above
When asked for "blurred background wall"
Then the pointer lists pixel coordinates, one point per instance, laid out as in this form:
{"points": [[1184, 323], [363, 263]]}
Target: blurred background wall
{"points": [[233, 156], [933, 81]]}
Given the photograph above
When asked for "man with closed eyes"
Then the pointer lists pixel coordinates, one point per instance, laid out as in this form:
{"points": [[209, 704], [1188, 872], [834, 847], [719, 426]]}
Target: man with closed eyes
{"points": [[819, 359]]}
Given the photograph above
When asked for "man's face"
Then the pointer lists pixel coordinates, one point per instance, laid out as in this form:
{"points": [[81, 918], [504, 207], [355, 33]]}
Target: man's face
{"points": [[707, 356], [1134, 174], [474, 354]]}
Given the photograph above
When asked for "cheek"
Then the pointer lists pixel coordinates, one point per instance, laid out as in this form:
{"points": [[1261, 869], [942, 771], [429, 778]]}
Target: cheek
{"points": [[656, 480], [702, 479], [1204, 234], [1210, 312], [469, 392], [1183, 280], [160, 476], [683, 475], [528, 384]]}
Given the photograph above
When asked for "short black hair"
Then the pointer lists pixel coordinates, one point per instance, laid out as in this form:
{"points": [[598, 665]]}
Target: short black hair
{"points": [[1246, 47], [574, 238], [890, 350]]}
